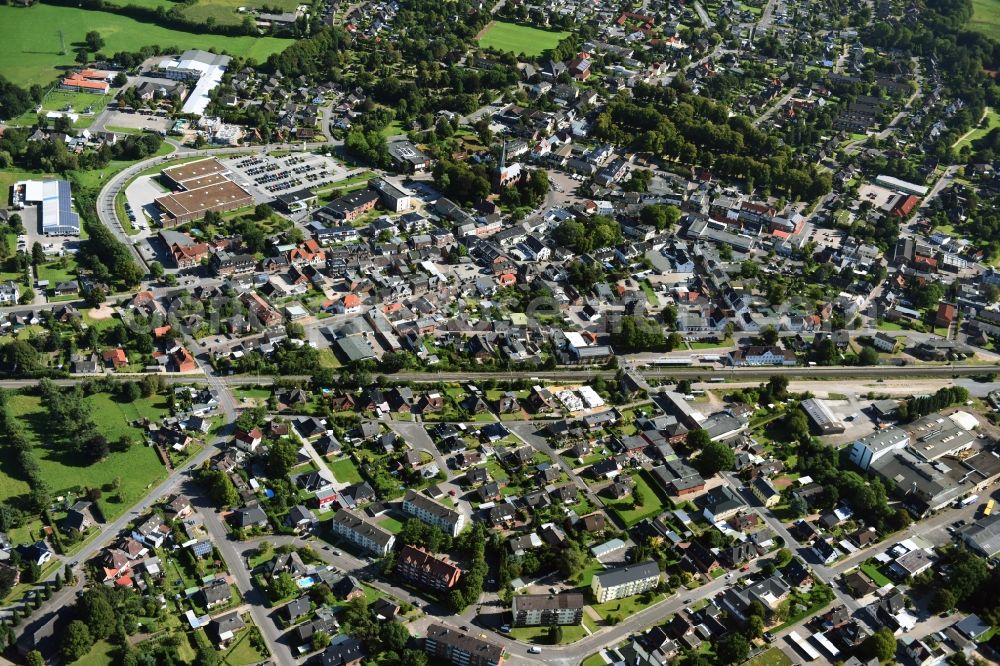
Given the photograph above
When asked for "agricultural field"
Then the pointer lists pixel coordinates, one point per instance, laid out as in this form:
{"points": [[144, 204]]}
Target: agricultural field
{"points": [[31, 49], [137, 468], [986, 17], [519, 39]]}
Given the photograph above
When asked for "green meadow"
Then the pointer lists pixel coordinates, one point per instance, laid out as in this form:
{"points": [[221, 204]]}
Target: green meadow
{"points": [[520, 39], [30, 50]]}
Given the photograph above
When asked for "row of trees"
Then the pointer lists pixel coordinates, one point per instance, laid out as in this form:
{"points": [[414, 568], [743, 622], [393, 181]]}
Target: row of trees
{"points": [[16, 442]]}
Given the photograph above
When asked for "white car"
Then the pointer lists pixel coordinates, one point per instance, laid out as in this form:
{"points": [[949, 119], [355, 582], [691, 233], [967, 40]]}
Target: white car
{"points": [[535, 650]]}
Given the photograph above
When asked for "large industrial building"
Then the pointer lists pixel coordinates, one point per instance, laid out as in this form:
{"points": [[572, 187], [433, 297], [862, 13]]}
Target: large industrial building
{"points": [[204, 186], [821, 417], [55, 205], [201, 66]]}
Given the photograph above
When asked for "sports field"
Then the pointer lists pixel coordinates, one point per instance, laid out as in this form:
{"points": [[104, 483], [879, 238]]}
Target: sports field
{"points": [[520, 39], [30, 49], [986, 17], [85, 105]]}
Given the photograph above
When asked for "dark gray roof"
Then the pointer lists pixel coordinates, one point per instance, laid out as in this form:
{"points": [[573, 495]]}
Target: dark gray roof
{"points": [[623, 575]]}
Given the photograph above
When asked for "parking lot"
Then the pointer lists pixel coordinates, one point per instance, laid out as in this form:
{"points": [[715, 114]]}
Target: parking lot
{"points": [[139, 197], [266, 176], [138, 121]]}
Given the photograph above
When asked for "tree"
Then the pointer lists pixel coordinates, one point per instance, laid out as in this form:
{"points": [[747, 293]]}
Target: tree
{"points": [[715, 457], [223, 491], [868, 356], [881, 645], [95, 296], [82, 56], [96, 448], [572, 561], [394, 636], [76, 641], [282, 457], [7, 576], [94, 41], [697, 439], [755, 626], [320, 640], [156, 270], [37, 254], [283, 586], [783, 557], [129, 391], [413, 658], [732, 649], [98, 614], [207, 656], [942, 600], [555, 634], [34, 658], [796, 426]]}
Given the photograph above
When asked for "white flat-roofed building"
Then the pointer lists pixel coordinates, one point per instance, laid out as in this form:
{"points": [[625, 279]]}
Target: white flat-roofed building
{"points": [[900, 185], [625, 581], [201, 66], [870, 448], [55, 205]]}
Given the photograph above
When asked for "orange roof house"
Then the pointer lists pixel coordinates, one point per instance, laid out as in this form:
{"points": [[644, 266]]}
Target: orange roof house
{"points": [[183, 360], [115, 357]]}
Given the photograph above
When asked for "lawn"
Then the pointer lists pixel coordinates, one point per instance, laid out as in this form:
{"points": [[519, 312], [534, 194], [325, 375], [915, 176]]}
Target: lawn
{"points": [[10, 176], [345, 471], [30, 50], [626, 607], [540, 635], [594, 660], [986, 17], [242, 652], [391, 524], [521, 39], [771, 657], [55, 273], [138, 468], [991, 121], [652, 504], [651, 296], [877, 576], [95, 178], [99, 655]]}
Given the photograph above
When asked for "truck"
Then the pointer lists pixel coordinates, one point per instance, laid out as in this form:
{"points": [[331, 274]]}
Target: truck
{"points": [[967, 501]]}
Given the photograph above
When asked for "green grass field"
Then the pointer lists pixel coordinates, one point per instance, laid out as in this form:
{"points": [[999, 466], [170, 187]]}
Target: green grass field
{"points": [[225, 11], [519, 39], [137, 468], [652, 503], [771, 657], [345, 471], [986, 17], [540, 635], [875, 574], [991, 121], [73, 102], [30, 50]]}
